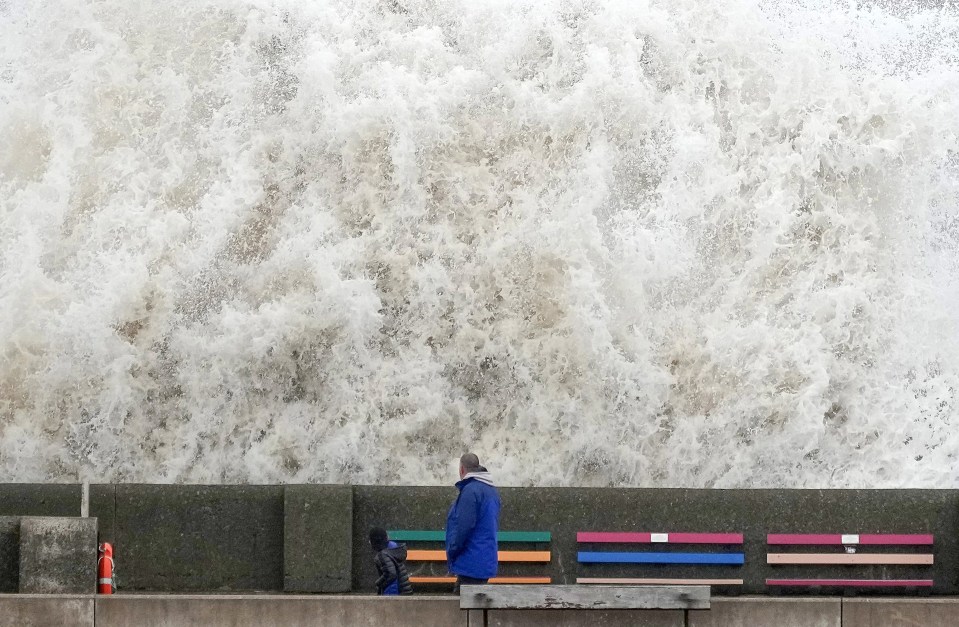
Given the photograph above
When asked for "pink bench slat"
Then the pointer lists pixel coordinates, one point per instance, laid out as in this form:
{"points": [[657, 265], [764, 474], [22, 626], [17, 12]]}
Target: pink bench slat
{"points": [[836, 538], [629, 537], [927, 583]]}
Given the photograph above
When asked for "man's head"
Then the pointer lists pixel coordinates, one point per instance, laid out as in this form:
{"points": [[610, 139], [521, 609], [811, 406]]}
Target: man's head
{"points": [[469, 463], [378, 538]]}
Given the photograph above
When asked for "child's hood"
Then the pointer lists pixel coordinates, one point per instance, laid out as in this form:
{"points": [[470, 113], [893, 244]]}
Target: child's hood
{"points": [[398, 552]]}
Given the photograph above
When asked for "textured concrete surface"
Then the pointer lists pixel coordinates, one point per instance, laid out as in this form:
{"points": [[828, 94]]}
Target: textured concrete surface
{"points": [[768, 611], [277, 611], [585, 618], [199, 538], [317, 538], [39, 499], [58, 555], [103, 507], [900, 613], [46, 611], [9, 554]]}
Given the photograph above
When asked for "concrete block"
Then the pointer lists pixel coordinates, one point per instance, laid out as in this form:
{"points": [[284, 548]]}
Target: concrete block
{"points": [[318, 538], [43, 611], [58, 555], [103, 507], [183, 538], [9, 554], [277, 611], [900, 612], [39, 499], [585, 618], [759, 611]]}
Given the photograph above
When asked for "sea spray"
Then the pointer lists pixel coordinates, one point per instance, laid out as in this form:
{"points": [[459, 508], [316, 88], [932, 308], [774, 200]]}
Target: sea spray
{"points": [[680, 243]]}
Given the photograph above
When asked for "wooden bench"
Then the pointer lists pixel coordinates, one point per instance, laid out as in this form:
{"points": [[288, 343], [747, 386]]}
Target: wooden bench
{"points": [[849, 558], [584, 598], [439, 555], [659, 557]]}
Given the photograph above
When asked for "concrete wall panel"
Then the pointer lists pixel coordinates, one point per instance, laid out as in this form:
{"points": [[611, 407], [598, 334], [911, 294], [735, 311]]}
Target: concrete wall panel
{"points": [[199, 538], [9, 554], [318, 538], [278, 611], [46, 611], [103, 507], [58, 555], [585, 618], [39, 499], [768, 611], [900, 613]]}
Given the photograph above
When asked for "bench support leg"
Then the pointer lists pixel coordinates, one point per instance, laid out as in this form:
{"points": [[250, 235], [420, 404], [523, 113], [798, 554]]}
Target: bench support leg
{"points": [[475, 618]]}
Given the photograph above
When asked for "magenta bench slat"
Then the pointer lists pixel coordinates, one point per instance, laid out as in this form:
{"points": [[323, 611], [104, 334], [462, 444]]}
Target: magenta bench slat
{"points": [[629, 537]]}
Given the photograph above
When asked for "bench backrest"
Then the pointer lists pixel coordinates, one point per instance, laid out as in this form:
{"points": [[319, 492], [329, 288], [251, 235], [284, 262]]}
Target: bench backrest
{"points": [[434, 558], [844, 550], [659, 557]]}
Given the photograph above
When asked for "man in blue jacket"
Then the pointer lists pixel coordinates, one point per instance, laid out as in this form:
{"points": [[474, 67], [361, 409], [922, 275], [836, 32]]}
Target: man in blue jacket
{"points": [[471, 526]]}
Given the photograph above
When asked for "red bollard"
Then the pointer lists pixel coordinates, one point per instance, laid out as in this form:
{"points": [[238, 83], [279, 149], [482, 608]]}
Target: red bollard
{"points": [[105, 569]]}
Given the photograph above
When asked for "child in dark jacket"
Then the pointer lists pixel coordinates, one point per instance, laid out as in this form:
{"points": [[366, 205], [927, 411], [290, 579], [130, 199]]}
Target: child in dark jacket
{"points": [[390, 560]]}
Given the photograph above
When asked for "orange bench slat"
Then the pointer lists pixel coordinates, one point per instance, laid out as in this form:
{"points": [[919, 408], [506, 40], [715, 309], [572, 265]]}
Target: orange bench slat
{"points": [[429, 555], [504, 580]]}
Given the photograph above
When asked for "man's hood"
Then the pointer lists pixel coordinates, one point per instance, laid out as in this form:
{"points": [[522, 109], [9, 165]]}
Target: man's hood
{"points": [[480, 475]]}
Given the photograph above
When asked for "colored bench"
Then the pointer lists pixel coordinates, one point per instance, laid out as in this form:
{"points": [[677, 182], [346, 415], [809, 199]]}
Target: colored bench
{"points": [[849, 558], [439, 555], [659, 557]]}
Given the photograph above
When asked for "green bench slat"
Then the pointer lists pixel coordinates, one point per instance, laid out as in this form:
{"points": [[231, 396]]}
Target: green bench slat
{"points": [[439, 536]]}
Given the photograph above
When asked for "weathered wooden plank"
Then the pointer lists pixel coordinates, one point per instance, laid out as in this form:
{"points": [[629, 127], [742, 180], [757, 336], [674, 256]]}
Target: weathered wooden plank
{"points": [[849, 558], [584, 597]]}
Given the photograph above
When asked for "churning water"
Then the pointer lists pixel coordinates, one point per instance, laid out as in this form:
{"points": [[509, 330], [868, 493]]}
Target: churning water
{"points": [[640, 242]]}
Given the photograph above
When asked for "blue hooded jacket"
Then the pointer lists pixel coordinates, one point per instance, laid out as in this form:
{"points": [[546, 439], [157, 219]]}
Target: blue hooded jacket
{"points": [[471, 526]]}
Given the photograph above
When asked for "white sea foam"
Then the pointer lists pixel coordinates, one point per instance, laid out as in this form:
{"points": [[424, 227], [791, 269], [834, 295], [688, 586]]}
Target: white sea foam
{"points": [[635, 242]]}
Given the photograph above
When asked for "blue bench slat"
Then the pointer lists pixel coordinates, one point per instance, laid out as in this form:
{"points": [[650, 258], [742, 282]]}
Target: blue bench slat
{"points": [[609, 557]]}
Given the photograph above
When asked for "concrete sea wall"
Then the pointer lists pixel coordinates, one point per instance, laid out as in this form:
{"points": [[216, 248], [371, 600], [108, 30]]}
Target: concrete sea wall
{"points": [[312, 538]]}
